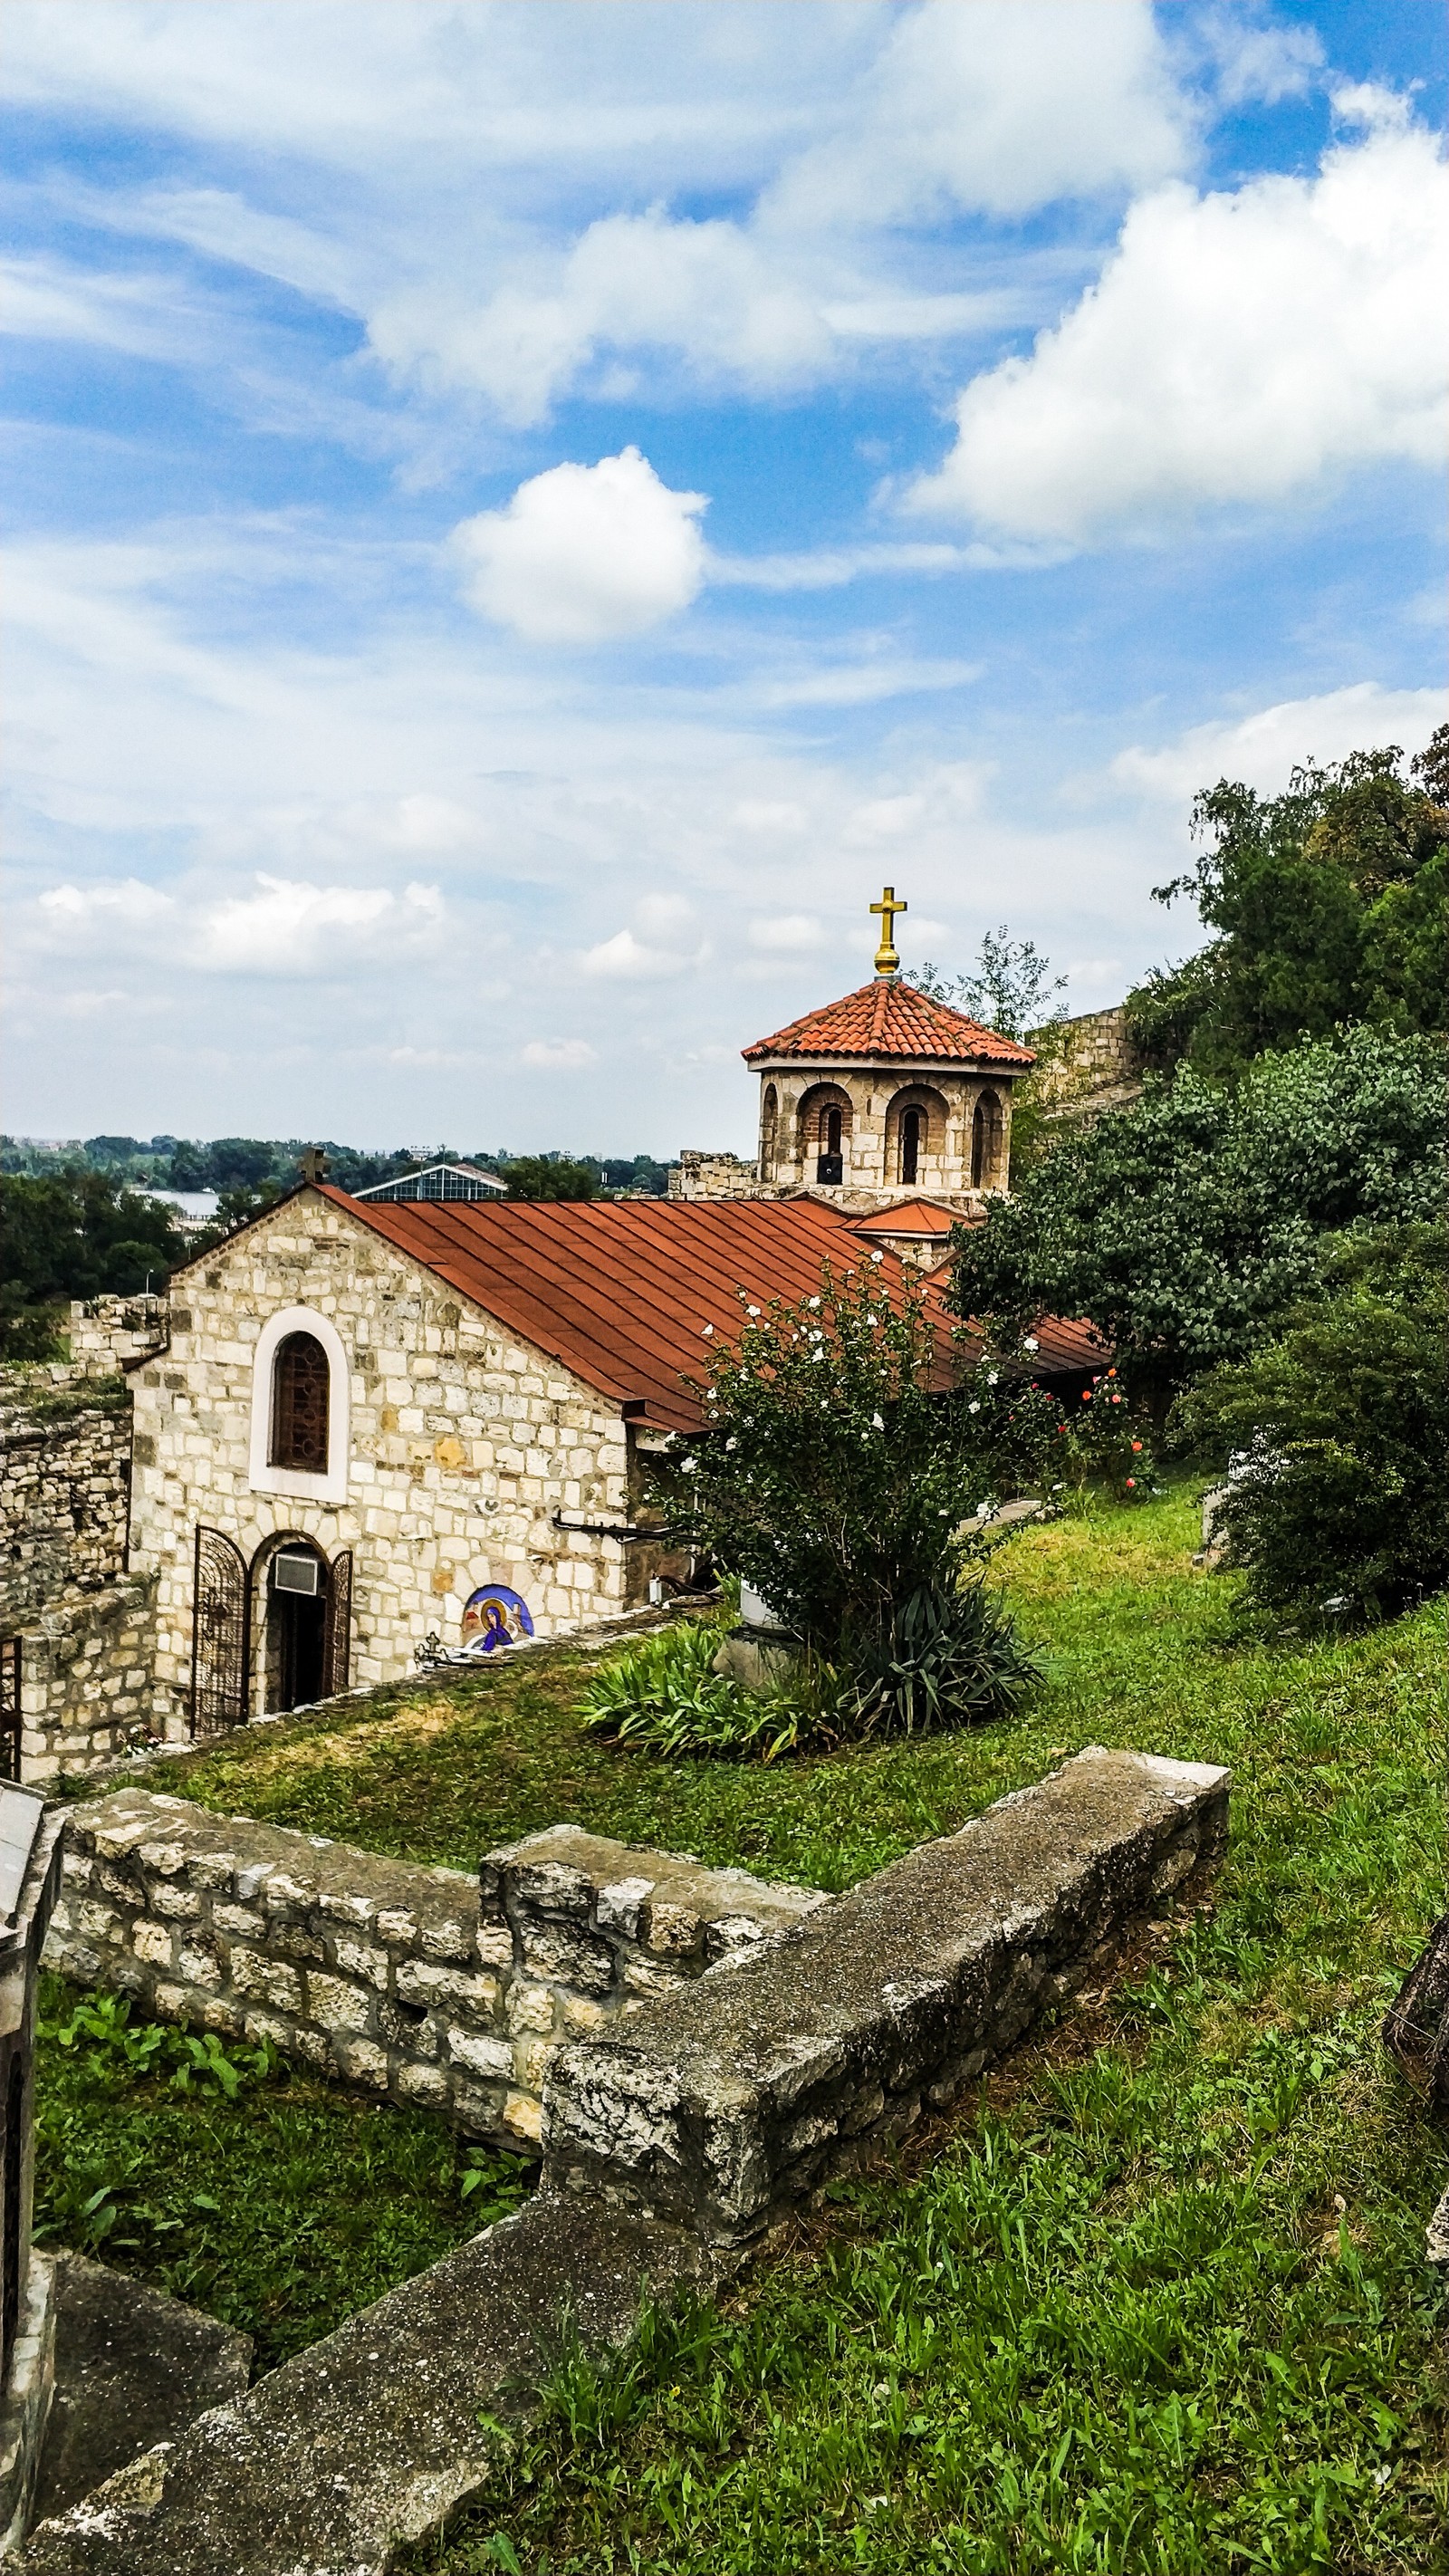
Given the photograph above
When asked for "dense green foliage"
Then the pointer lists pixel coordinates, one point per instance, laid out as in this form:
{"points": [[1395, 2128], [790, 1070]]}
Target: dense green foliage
{"points": [[75, 1234], [1330, 904], [833, 1473], [252, 1165], [276, 2202], [1186, 1226], [549, 1176], [1340, 1433]]}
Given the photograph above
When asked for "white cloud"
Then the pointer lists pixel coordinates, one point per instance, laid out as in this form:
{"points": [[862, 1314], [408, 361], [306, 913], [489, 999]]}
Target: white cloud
{"points": [[585, 551], [71, 908], [1004, 106], [1261, 749], [287, 928], [1237, 348], [1256, 57], [790, 932], [558, 1055]]}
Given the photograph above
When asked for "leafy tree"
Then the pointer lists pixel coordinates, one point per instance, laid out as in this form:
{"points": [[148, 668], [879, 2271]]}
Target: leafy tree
{"points": [[1012, 988], [1186, 1226], [1339, 1433], [548, 1176], [76, 1234], [1331, 903]]}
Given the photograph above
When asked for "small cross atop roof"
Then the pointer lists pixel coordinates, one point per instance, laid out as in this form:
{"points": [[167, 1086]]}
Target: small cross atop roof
{"points": [[313, 1165]]}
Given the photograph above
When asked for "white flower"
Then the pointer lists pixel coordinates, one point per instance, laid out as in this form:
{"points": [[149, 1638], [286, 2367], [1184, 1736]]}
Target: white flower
{"points": [[1031, 1343], [877, 1422], [877, 1256], [973, 1408], [732, 1443], [689, 1466], [709, 1328], [812, 1301], [752, 1310], [817, 1355], [992, 1377]]}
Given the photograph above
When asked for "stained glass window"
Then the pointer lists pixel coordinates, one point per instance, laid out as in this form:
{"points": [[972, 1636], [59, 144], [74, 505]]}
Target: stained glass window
{"points": [[299, 1405]]}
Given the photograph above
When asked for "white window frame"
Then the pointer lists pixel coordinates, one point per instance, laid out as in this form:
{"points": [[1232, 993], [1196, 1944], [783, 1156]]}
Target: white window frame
{"points": [[262, 1476]]}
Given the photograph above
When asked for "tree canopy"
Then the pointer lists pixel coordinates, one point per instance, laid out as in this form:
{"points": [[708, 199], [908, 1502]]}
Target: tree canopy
{"points": [[1331, 903], [1186, 1226], [76, 1234]]}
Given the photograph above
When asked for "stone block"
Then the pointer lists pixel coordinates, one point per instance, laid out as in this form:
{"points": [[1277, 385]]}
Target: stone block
{"points": [[398, 1928], [672, 1931], [336, 2003], [365, 1960], [427, 2086], [152, 1942], [362, 2062], [199, 1966], [530, 2008], [447, 1940], [271, 1981], [523, 2119], [174, 1904], [567, 1956], [481, 2056], [417, 1981]]}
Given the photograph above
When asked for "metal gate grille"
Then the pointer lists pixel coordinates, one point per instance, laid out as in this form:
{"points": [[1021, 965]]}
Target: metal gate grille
{"points": [[11, 1720], [337, 1646], [220, 1634]]}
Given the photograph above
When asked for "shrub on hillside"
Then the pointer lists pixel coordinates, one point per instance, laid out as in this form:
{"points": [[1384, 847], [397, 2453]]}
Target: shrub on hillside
{"points": [[1187, 1226], [1339, 1433], [1108, 1441], [838, 1460]]}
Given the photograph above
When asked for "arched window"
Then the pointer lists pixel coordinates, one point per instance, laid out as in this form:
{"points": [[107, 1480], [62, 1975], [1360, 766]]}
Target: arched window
{"points": [[985, 1141], [830, 1141], [299, 1405], [911, 1126]]}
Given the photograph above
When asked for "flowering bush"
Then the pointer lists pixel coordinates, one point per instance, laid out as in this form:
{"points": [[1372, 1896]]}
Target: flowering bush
{"points": [[1108, 1440], [839, 1463]]}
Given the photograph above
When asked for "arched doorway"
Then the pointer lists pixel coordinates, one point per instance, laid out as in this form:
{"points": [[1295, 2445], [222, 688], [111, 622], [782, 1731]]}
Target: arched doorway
{"points": [[301, 1621]]}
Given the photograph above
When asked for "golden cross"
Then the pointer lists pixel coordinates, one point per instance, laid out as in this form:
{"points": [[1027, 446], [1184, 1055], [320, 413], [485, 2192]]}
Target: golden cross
{"points": [[886, 960], [313, 1164]]}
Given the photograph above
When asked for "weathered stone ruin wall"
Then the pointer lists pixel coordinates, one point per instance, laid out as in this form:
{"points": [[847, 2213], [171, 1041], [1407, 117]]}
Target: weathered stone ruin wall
{"points": [[65, 1466], [85, 1631], [1098, 1067], [674, 2141], [112, 1333], [86, 1693], [387, 1974]]}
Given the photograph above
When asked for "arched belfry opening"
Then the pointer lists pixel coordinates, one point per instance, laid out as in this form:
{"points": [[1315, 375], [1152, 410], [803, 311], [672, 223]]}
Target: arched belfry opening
{"points": [[987, 1125], [826, 1117]]}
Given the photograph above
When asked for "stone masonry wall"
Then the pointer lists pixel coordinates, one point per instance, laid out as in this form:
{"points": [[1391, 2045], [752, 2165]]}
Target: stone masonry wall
{"points": [[464, 1445], [385, 1973], [871, 1149], [86, 1692], [65, 1465]]}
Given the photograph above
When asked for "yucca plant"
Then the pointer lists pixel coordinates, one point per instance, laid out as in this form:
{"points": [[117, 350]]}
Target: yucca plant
{"points": [[943, 1658]]}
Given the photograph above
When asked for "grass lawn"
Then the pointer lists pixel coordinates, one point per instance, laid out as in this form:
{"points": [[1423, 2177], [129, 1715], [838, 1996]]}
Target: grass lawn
{"points": [[281, 2211], [1155, 2301]]}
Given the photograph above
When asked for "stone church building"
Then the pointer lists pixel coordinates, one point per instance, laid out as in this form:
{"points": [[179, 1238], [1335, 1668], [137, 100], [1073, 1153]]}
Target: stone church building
{"points": [[361, 1425]]}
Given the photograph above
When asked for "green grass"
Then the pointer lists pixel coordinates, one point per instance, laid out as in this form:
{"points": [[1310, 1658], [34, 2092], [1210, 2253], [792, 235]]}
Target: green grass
{"points": [[1155, 2304], [281, 2212]]}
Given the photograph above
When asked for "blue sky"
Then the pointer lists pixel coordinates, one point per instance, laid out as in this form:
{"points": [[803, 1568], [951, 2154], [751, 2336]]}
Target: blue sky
{"points": [[521, 516]]}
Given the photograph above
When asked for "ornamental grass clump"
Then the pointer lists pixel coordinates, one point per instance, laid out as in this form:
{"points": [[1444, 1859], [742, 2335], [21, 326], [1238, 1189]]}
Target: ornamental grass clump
{"points": [[948, 1657], [664, 1696]]}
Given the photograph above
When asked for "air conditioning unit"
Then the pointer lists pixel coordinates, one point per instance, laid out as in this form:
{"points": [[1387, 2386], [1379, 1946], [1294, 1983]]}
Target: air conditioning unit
{"points": [[296, 1574]]}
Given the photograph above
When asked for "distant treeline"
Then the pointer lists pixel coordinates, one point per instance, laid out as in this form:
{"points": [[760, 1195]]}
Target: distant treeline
{"points": [[256, 1163]]}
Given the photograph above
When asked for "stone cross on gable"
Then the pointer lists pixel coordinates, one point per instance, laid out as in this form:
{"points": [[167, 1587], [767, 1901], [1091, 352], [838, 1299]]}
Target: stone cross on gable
{"points": [[313, 1165]]}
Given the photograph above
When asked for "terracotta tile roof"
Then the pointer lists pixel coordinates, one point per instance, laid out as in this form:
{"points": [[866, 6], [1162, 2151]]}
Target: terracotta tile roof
{"points": [[908, 1216], [620, 1292], [888, 1017]]}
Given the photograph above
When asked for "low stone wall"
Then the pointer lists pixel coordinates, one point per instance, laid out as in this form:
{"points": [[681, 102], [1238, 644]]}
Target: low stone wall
{"points": [[86, 1692], [673, 2142], [65, 1468], [725, 2106], [394, 1976]]}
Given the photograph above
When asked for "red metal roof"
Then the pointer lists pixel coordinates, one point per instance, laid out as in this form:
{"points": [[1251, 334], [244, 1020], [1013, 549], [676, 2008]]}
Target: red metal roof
{"points": [[908, 1216], [620, 1291], [890, 1018]]}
